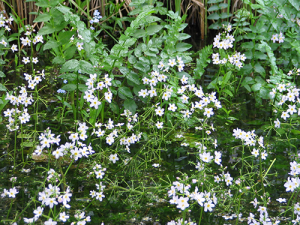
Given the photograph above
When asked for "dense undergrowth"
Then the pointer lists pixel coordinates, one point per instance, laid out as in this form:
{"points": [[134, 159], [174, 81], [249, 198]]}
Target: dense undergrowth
{"points": [[144, 132]]}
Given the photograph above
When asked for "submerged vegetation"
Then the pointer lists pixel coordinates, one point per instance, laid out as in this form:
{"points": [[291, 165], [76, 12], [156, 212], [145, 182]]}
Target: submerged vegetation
{"points": [[143, 130]]}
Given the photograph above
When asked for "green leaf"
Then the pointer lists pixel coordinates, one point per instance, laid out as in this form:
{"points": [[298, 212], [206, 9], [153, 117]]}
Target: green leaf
{"points": [[226, 78], [264, 93], [139, 33], [260, 55], [272, 58], [69, 76], [259, 69], [256, 87], [86, 67], [213, 8], [202, 61], [130, 105], [224, 15], [223, 5], [2, 87], [69, 87], [181, 47], [70, 52], [64, 37], [58, 60], [142, 67], [27, 144], [153, 29], [132, 76], [47, 29], [114, 107], [214, 16], [247, 45], [125, 91], [183, 36], [2, 74], [228, 92], [71, 65], [43, 17], [296, 4], [51, 44]]}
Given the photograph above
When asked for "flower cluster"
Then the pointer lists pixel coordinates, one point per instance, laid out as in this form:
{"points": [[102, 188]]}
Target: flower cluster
{"points": [[34, 80], [6, 23], [51, 196], [96, 18], [278, 37], [294, 181], [11, 193], [76, 148], [89, 94], [15, 115], [180, 222], [250, 139], [204, 199], [99, 172], [287, 94]]}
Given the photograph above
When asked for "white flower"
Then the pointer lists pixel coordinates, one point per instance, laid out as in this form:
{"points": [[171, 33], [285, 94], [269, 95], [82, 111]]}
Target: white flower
{"points": [[14, 48], [26, 60], [159, 111], [208, 112], [277, 123], [159, 125], [79, 46], [113, 158]]}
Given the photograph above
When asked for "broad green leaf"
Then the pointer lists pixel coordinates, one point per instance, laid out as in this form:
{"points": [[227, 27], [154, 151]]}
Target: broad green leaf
{"points": [[71, 65], [260, 56], [125, 91], [296, 4], [2, 74], [64, 37], [224, 15], [133, 77], [259, 69], [228, 92], [51, 44], [181, 47], [130, 105], [247, 45], [114, 107], [69, 87], [153, 29], [47, 29], [223, 5], [27, 144], [69, 76], [43, 17], [183, 36], [64, 9], [86, 67], [58, 60], [139, 33], [213, 16], [256, 87], [213, 8], [2, 87], [226, 78], [264, 93], [70, 52], [142, 67]]}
